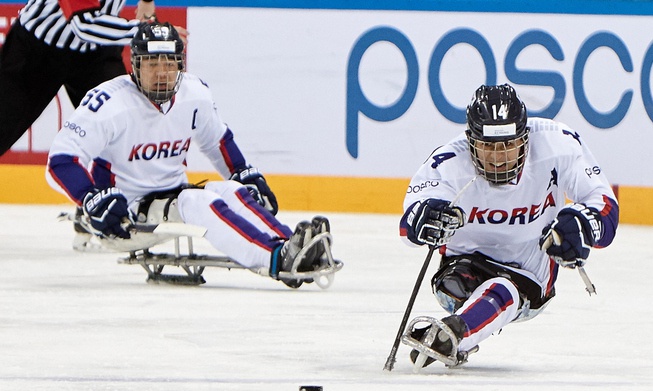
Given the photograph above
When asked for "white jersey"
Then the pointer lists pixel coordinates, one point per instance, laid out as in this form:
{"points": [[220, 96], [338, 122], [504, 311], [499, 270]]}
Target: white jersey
{"points": [[141, 146], [505, 222]]}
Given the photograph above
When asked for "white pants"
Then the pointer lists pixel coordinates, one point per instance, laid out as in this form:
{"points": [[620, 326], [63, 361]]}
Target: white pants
{"points": [[491, 306], [236, 225]]}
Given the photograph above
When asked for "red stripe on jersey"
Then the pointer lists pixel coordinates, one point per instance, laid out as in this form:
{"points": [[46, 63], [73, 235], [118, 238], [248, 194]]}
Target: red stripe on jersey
{"points": [[225, 155], [553, 274], [608, 205]]}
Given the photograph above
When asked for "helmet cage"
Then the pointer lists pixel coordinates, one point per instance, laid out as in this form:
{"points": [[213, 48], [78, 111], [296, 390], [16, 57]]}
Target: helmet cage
{"points": [[497, 133], [499, 162], [164, 89]]}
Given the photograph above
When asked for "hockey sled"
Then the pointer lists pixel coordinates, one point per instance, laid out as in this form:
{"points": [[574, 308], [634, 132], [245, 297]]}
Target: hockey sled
{"points": [[193, 264], [146, 236]]}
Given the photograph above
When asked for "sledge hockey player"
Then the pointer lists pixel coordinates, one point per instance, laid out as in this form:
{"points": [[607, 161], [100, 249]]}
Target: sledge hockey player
{"points": [[504, 238], [126, 145]]}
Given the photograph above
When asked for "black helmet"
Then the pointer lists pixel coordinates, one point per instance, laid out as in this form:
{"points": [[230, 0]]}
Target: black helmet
{"points": [[149, 33], [496, 105], [156, 40], [497, 118]]}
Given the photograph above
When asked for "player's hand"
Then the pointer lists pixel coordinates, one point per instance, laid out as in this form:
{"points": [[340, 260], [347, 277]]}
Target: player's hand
{"points": [[145, 11], [108, 213], [257, 187], [569, 238], [434, 222]]}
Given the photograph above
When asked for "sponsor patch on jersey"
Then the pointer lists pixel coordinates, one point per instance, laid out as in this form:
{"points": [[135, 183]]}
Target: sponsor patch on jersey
{"points": [[499, 130]]}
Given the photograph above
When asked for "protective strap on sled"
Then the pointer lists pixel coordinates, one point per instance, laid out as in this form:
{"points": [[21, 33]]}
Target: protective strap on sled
{"points": [[169, 196]]}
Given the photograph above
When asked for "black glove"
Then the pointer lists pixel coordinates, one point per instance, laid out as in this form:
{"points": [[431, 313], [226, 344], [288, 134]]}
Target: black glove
{"points": [[107, 212], [257, 187], [433, 222], [569, 237]]}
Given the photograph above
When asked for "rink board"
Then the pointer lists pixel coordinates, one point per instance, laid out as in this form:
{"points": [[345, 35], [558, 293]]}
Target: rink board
{"points": [[25, 184]]}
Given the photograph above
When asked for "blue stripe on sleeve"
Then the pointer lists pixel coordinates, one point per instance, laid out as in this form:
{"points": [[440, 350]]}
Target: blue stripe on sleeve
{"points": [[71, 176]]}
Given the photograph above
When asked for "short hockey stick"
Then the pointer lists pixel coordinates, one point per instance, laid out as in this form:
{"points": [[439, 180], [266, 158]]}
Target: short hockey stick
{"points": [[555, 238], [390, 362]]}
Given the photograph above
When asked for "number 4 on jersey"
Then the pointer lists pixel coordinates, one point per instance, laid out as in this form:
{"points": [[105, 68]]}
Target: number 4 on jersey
{"points": [[441, 157]]}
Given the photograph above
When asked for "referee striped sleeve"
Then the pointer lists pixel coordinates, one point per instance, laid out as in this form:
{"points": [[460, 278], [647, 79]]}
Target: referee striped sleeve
{"points": [[85, 30]]}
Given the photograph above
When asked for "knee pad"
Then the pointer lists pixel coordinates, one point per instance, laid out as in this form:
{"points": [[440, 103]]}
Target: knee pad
{"points": [[454, 283]]}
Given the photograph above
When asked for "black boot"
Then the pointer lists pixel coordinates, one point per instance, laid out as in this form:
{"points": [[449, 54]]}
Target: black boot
{"points": [[283, 259]]}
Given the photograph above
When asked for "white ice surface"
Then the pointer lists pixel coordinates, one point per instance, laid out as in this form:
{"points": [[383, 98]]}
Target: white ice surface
{"points": [[72, 321]]}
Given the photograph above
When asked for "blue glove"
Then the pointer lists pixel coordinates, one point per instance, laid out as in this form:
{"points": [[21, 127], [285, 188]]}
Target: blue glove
{"points": [[257, 187], [108, 213], [569, 238], [433, 222]]}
